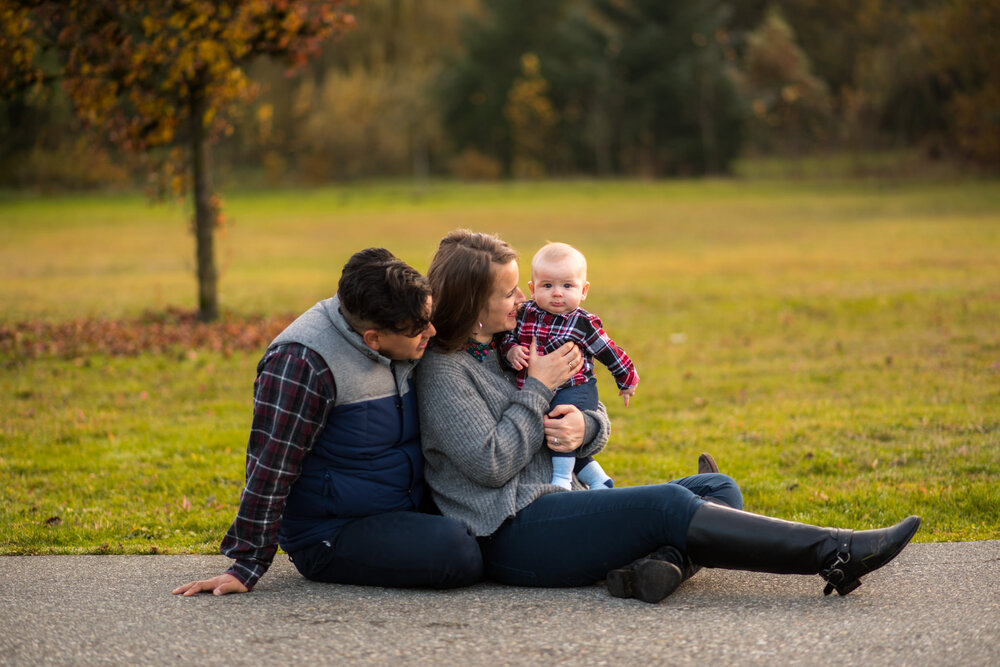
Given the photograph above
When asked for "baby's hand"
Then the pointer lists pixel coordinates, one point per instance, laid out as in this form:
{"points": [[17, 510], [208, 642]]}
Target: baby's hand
{"points": [[518, 357], [627, 394]]}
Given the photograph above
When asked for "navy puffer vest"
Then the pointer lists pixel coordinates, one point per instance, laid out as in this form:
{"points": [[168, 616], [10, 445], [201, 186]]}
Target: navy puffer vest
{"points": [[367, 459]]}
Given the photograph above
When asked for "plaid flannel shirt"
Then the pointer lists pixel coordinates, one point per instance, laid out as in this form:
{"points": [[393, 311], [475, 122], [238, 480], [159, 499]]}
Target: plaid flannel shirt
{"points": [[293, 394], [582, 328]]}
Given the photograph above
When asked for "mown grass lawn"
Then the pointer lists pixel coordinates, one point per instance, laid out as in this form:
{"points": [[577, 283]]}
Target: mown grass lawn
{"points": [[836, 346]]}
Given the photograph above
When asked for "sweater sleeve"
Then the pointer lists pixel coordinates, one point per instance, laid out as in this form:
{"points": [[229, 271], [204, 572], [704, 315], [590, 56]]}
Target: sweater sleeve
{"points": [[487, 436], [597, 431]]}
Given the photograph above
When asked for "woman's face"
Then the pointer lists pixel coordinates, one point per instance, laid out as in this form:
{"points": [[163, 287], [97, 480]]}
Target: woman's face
{"points": [[500, 313]]}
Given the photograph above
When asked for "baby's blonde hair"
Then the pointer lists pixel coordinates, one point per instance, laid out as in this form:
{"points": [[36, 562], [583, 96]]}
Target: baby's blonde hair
{"points": [[555, 251]]}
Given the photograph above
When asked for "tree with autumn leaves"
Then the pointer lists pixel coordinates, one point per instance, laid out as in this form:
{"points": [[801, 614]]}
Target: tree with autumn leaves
{"points": [[161, 79]]}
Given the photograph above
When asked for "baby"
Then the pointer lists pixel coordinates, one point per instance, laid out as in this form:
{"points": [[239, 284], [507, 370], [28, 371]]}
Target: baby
{"points": [[558, 285]]}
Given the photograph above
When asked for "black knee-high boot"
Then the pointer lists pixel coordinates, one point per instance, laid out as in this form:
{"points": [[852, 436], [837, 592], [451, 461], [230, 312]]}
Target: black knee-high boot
{"points": [[720, 536]]}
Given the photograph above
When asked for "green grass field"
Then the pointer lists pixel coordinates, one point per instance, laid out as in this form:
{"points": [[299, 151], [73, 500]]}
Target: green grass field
{"points": [[836, 346]]}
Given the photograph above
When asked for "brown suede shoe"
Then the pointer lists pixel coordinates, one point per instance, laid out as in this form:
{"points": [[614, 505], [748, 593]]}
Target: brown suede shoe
{"points": [[706, 464]]}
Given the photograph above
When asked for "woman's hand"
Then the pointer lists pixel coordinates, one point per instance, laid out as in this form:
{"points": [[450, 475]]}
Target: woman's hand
{"points": [[220, 585], [554, 368], [564, 428]]}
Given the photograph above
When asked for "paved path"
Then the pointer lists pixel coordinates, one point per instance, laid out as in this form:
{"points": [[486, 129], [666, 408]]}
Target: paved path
{"points": [[936, 604]]}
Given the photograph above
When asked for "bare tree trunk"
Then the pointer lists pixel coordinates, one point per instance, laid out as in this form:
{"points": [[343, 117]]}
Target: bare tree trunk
{"points": [[706, 120], [204, 215], [421, 158], [600, 122]]}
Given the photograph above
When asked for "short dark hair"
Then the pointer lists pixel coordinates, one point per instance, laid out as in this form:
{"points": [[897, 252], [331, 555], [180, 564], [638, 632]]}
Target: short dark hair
{"points": [[377, 290], [461, 277]]}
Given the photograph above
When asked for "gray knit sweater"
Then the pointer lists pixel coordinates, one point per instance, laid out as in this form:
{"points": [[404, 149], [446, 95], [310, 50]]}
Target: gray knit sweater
{"points": [[484, 456]]}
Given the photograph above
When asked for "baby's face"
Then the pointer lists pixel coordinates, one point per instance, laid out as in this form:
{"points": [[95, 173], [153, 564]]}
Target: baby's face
{"points": [[558, 287]]}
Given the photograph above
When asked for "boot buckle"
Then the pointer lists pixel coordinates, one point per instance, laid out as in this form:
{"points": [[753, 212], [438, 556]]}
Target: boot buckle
{"points": [[834, 574]]}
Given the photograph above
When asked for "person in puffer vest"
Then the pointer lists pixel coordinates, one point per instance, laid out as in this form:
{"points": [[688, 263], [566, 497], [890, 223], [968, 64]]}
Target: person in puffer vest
{"points": [[334, 471]]}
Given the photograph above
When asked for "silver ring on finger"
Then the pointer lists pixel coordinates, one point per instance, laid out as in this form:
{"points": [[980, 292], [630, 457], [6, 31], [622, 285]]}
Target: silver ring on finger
{"points": [[555, 441]]}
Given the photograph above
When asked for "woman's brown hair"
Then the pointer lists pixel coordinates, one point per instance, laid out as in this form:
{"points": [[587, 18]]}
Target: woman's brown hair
{"points": [[461, 277]]}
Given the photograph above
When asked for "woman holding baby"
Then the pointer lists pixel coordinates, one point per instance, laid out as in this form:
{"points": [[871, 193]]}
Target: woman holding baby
{"points": [[487, 445]]}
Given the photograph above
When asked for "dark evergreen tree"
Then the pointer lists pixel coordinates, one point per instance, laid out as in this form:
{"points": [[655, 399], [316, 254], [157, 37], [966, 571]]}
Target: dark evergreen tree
{"points": [[672, 78], [474, 89], [637, 86]]}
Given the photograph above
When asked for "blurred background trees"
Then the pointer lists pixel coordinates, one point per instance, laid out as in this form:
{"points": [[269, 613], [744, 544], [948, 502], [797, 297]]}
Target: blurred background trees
{"points": [[790, 107], [535, 88], [159, 82]]}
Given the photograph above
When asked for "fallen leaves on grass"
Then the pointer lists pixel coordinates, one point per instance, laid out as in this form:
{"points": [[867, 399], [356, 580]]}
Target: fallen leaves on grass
{"points": [[173, 330]]}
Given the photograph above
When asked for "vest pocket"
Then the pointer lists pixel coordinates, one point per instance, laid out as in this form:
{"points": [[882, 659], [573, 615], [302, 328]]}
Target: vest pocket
{"points": [[358, 493]]}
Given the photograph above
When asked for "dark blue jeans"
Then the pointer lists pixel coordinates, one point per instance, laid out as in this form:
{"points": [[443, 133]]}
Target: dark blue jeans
{"points": [[583, 396], [575, 538], [399, 549]]}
